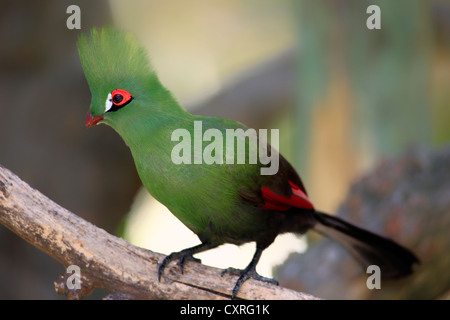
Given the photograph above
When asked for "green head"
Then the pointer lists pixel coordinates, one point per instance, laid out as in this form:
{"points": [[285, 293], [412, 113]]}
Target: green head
{"points": [[120, 77]]}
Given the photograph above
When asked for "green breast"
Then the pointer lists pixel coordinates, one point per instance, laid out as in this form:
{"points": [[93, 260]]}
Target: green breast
{"points": [[202, 196]]}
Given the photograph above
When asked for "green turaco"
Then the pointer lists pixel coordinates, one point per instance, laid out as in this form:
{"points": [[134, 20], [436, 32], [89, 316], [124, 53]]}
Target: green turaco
{"points": [[224, 197]]}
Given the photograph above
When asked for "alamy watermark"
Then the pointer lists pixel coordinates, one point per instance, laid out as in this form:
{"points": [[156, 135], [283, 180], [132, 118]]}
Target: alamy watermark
{"points": [[74, 20], [374, 20], [73, 281], [374, 280], [235, 146]]}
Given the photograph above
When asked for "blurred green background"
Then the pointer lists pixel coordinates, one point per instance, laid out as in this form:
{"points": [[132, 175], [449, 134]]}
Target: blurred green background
{"points": [[343, 96]]}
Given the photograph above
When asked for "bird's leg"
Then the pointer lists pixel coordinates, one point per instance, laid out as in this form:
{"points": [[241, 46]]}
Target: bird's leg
{"points": [[248, 272], [183, 255]]}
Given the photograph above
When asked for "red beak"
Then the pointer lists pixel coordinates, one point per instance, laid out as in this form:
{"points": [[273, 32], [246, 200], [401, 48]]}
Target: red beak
{"points": [[92, 120]]}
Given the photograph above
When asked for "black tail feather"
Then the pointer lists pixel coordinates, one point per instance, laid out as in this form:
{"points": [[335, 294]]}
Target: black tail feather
{"points": [[366, 247]]}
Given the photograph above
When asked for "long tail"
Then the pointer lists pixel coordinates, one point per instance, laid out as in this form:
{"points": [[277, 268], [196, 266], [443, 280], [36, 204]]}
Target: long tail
{"points": [[366, 247]]}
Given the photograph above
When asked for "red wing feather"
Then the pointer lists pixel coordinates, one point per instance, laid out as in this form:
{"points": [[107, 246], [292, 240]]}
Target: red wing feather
{"points": [[298, 199]]}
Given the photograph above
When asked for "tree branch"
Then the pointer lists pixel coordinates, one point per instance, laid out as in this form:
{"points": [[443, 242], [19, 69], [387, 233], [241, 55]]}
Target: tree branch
{"points": [[109, 262]]}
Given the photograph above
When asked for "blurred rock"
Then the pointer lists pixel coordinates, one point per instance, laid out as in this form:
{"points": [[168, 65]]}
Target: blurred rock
{"points": [[406, 199]]}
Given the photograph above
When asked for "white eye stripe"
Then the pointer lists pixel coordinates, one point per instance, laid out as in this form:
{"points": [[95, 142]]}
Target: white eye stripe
{"points": [[108, 103]]}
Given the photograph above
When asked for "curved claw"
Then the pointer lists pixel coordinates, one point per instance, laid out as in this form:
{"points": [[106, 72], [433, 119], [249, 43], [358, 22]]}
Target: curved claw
{"points": [[244, 275], [163, 265], [181, 256]]}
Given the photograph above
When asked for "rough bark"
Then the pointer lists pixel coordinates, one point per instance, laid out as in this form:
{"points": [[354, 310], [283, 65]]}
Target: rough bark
{"points": [[109, 262]]}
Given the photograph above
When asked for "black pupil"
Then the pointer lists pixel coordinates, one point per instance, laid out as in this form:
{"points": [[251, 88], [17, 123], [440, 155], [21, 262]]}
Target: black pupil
{"points": [[117, 98]]}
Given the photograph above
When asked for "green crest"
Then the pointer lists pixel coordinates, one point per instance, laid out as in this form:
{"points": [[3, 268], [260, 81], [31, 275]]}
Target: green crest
{"points": [[113, 59]]}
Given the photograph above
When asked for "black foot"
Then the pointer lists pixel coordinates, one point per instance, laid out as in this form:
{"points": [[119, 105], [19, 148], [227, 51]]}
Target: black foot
{"points": [[244, 275], [182, 256]]}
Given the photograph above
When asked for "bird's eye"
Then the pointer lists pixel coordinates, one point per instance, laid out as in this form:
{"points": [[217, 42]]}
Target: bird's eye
{"points": [[120, 97], [117, 98]]}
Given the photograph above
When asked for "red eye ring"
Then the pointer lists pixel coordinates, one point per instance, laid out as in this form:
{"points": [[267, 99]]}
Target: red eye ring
{"points": [[120, 97]]}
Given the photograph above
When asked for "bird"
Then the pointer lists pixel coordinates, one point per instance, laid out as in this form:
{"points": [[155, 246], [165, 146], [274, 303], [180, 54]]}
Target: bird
{"points": [[223, 201]]}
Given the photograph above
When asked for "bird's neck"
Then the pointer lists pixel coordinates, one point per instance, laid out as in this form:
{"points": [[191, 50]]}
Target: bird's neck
{"points": [[147, 130], [151, 130]]}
